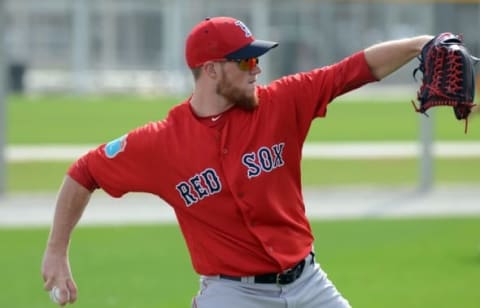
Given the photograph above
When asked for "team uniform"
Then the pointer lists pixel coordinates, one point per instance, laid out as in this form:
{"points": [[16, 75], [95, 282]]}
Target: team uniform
{"points": [[234, 182]]}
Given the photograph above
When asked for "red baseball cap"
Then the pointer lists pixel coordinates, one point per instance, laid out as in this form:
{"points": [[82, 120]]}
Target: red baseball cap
{"points": [[219, 38]]}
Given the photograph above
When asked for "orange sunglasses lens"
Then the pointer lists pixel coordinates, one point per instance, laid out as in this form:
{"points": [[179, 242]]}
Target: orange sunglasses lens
{"points": [[247, 64]]}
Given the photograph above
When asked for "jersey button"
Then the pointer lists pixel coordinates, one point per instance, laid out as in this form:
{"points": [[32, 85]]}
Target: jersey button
{"points": [[225, 151]]}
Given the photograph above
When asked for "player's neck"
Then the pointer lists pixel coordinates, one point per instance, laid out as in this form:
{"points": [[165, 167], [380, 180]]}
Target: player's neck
{"points": [[207, 104]]}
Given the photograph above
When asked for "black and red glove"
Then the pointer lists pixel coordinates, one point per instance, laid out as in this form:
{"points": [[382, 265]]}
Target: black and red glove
{"points": [[448, 71]]}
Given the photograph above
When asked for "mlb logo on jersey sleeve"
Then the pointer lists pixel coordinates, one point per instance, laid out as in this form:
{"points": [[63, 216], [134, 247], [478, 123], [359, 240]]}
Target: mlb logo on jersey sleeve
{"points": [[114, 147]]}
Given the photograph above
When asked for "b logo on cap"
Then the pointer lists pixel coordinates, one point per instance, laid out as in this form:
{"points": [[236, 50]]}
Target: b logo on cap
{"points": [[244, 28]]}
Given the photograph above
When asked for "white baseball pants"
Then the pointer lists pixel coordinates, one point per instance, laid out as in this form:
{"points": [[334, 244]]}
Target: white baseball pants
{"points": [[311, 290]]}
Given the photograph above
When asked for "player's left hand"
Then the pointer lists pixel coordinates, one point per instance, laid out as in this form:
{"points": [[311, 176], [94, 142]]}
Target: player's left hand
{"points": [[448, 79]]}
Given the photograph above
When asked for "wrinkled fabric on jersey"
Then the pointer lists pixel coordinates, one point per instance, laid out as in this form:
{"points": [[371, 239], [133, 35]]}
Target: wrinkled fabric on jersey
{"points": [[236, 191]]}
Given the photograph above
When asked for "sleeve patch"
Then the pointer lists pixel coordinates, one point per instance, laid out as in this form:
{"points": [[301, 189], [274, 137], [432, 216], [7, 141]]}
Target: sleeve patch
{"points": [[114, 147]]}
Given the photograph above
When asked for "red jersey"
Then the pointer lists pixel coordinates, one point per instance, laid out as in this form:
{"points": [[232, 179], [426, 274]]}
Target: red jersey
{"points": [[235, 187]]}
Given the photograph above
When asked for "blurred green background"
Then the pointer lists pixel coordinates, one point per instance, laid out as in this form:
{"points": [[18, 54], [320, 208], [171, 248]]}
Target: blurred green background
{"points": [[92, 119]]}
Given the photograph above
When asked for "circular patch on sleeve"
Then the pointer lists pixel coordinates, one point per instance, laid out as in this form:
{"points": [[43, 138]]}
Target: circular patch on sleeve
{"points": [[115, 146]]}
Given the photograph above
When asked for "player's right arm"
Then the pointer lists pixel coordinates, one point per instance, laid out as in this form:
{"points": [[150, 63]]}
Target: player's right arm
{"points": [[71, 202], [121, 166]]}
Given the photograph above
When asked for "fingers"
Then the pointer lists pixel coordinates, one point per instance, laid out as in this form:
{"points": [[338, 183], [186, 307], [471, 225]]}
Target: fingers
{"points": [[61, 295], [64, 296], [48, 285], [72, 288], [61, 292]]}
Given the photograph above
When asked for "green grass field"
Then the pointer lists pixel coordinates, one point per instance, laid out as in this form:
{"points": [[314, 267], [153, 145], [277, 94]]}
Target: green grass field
{"points": [[94, 120], [393, 263]]}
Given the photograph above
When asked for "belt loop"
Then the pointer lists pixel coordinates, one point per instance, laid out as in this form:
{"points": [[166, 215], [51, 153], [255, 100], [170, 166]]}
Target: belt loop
{"points": [[249, 279], [312, 261]]}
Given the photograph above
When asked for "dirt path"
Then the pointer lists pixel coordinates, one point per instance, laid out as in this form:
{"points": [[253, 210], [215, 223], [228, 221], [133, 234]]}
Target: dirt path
{"points": [[28, 210], [337, 150]]}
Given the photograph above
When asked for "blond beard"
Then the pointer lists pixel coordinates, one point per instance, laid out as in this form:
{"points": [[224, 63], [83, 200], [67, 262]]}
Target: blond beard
{"points": [[235, 95]]}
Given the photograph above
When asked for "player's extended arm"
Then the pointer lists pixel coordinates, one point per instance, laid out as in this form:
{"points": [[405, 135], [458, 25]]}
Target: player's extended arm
{"points": [[71, 202], [385, 58]]}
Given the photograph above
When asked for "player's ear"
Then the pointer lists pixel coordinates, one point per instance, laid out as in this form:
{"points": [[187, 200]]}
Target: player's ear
{"points": [[210, 69]]}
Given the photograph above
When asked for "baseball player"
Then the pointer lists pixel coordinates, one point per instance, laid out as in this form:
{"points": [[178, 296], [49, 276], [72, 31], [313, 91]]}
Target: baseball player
{"points": [[227, 160]]}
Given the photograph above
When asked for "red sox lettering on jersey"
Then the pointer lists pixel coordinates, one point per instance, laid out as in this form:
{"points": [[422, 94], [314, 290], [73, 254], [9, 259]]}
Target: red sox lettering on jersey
{"points": [[207, 182], [264, 160], [199, 186]]}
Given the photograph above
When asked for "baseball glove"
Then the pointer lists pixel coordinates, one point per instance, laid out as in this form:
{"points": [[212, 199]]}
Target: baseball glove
{"points": [[448, 71]]}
